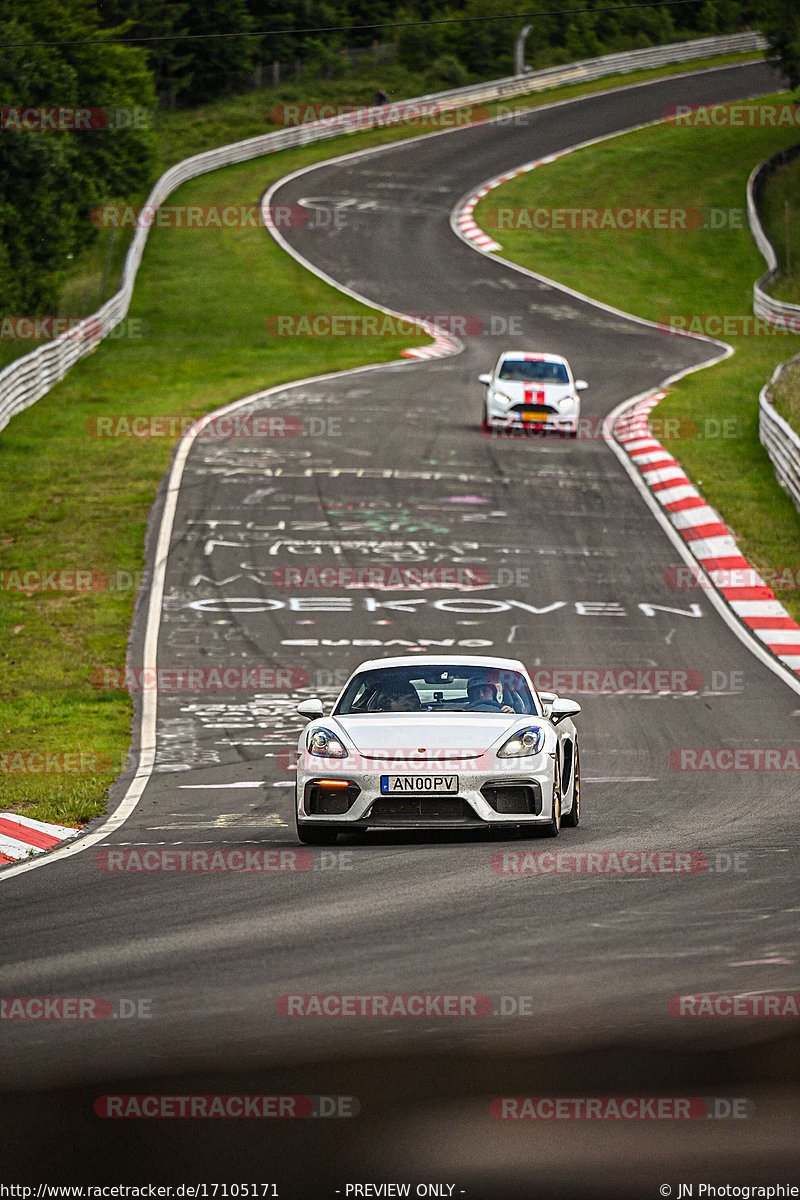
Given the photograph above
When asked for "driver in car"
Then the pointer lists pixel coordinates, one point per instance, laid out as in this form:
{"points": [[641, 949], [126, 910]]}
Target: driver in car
{"points": [[483, 697]]}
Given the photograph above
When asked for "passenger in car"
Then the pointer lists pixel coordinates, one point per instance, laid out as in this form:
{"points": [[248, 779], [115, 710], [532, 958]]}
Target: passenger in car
{"points": [[400, 698]]}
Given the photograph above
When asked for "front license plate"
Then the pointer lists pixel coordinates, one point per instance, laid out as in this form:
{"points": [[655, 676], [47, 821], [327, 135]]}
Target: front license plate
{"points": [[415, 784], [534, 416]]}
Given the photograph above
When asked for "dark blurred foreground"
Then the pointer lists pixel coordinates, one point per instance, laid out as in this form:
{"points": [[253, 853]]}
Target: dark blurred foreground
{"points": [[426, 1120]]}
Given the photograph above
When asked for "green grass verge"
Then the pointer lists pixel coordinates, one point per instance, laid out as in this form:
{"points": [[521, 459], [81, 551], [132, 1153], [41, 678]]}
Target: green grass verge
{"points": [[236, 118], [779, 209], [785, 394], [658, 273], [76, 502]]}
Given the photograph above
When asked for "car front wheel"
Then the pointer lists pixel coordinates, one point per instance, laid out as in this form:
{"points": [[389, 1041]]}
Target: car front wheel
{"points": [[553, 827], [573, 817]]}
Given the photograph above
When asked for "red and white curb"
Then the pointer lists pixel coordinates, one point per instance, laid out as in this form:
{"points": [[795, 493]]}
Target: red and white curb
{"points": [[22, 836], [463, 220], [707, 538], [443, 346]]}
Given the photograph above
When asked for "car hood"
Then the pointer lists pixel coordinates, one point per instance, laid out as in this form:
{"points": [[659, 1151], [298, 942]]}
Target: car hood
{"points": [[533, 393], [457, 735]]}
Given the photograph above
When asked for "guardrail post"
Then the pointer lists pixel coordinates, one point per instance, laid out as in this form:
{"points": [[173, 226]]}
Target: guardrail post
{"points": [[519, 50]]}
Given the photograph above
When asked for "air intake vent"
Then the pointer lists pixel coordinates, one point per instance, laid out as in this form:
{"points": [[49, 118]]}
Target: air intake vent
{"points": [[422, 808], [322, 801], [514, 799]]}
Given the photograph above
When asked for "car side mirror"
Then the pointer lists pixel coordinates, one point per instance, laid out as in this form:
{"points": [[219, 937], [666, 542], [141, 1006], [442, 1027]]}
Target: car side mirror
{"points": [[311, 709], [487, 379], [563, 708], [548, 699], [581, 385]]}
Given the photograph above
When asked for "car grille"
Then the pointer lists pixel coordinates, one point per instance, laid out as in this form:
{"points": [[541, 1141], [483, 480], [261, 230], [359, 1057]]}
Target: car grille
{"points": [[513, 799], [422, 808], [330, 802], [534, 410]]}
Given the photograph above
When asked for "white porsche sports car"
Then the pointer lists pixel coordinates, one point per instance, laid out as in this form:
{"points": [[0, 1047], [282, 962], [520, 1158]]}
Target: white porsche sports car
{"points": [[438, 741], [533, 392]]}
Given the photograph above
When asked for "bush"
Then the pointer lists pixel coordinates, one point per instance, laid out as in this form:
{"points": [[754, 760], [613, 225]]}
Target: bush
{"points": [[447, 70]]}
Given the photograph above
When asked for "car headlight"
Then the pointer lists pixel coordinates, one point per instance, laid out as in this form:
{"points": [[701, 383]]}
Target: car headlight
{"points": [[523, 742], [502, 397], [323, 744], [567, 401]]}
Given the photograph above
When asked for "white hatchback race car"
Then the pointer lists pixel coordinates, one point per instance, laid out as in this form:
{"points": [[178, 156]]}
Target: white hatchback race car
{"points": [[438, 742], [534, 392]]}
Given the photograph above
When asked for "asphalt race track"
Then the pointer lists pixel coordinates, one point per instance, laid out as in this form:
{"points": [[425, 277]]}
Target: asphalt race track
{"points": [[393, 470]]}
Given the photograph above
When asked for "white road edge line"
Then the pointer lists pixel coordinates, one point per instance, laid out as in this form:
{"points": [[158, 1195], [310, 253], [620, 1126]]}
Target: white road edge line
{"points": [[147, 727]]}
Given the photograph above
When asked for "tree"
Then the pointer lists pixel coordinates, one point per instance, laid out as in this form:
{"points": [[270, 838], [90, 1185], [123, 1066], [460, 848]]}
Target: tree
{"points": [[168, 59], [779, 21], [275, 15], [217, 65], [486, 47], [51, 179]]}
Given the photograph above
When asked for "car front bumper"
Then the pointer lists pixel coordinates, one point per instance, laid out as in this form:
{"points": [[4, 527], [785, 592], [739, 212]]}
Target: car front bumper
{"points": [[500, 422], [468, 807]]}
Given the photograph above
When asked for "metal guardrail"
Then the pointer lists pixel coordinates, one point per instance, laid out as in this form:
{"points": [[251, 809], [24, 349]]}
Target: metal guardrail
{"points": [[777, 312], [780, 440], [776, 435], [27, 379]]}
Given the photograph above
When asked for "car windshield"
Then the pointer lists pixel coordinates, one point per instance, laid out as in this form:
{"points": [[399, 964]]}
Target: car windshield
{"points": [[527, 371], [436, 689]]}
